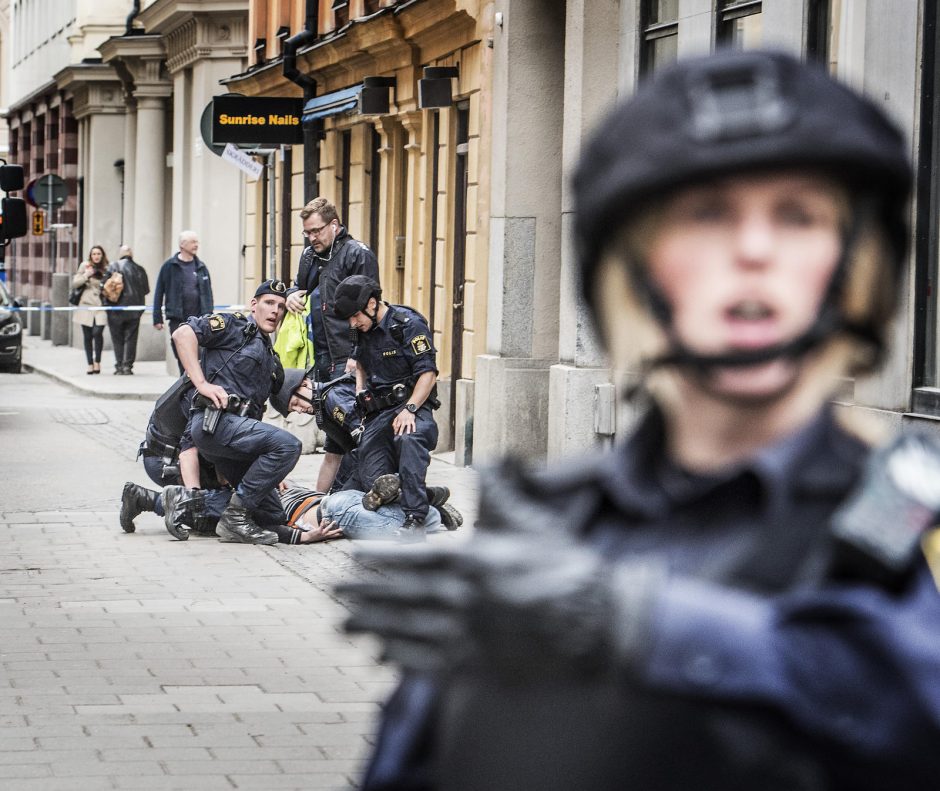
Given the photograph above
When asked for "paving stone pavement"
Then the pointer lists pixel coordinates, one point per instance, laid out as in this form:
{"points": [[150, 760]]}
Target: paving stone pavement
{"points": [[141, 662], [136, 661]]}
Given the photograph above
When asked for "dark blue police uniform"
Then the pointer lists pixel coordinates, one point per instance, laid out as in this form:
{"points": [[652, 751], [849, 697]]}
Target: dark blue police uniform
{"points": [[393, 354], [253, 456], [760, 672]]}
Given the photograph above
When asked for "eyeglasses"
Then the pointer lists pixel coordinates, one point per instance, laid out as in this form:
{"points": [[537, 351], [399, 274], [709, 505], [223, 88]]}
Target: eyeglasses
{"points": [[315, 231]]}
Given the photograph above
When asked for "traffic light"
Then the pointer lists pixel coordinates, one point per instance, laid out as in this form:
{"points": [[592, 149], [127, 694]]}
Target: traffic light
{"points": [[13, 222]]}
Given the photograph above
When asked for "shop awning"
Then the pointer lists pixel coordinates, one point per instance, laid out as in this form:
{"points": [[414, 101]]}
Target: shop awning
{"points": [[331, 104]]}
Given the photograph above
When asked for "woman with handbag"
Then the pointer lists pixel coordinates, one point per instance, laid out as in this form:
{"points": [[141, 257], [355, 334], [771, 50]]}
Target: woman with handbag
{"points": [[90, 276]]}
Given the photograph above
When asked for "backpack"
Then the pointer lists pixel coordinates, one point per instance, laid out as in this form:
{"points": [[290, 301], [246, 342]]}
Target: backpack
{"points": [[113, 287]]}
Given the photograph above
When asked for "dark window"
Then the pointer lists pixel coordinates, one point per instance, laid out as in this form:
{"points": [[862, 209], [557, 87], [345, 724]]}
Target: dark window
{"points": [[659, 25], [927, 236], [739, 23], [375, 191], [345, 160], [822, 32]]}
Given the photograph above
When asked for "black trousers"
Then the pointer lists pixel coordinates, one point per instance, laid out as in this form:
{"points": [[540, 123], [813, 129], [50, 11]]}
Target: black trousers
{"points": [[174, 325], [124, 326], [94, 342]]}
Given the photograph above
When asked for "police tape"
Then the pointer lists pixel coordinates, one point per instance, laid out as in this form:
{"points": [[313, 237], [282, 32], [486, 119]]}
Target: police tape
{"points": [[143, 308]]}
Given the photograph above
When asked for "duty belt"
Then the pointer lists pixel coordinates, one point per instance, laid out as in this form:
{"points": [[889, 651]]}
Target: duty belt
{"points": [[157, 447], [237, 405], [375, 400]]}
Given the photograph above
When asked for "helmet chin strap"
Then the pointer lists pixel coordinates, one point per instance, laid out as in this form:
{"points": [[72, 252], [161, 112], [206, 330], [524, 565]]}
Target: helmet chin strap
{"points": [[829, 320]]}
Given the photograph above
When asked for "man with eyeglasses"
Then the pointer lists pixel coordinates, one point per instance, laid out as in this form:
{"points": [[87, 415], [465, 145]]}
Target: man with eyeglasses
{"points": [[331, 256]]}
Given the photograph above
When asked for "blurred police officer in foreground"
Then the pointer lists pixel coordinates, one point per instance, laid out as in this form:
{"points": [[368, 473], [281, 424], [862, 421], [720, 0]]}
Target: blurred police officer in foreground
{"points": [[736, 597], [396, 372], [234, 369]]}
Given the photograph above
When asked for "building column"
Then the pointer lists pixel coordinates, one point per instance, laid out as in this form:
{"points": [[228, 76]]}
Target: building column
{"points": [[579, 382], [511, 399], [149, 179], [130, 168]]}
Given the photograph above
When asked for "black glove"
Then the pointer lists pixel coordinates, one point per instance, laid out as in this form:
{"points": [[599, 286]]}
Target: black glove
{"points": [[514, 606]]}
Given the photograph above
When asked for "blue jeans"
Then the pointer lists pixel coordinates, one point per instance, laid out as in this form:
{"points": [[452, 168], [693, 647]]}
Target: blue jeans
{"points": [[345, 508]]}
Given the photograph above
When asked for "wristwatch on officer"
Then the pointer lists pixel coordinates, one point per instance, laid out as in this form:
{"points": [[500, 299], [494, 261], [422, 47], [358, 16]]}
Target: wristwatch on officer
{"points": [[411, 408]]}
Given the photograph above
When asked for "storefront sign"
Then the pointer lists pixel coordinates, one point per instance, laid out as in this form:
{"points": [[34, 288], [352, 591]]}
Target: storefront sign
{"points": [[257, 120]]}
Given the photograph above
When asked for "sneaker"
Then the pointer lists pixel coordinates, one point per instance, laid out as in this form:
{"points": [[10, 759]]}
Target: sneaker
{"points": [[411, 532], [437, 495], [384, 490], [451, 518]]}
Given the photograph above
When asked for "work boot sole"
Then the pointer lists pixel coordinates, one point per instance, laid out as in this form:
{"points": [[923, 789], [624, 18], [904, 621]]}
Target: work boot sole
{"points": [[451, 518], [127, 518], [267, 537], [384, 490]]}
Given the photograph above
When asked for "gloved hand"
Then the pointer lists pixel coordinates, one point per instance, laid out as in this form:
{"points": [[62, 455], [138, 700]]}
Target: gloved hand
{"points": [[511, 605]]}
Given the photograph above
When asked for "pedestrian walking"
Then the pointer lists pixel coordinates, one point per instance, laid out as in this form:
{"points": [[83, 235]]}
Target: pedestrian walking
{"points": [[331, 256], [183, 288], [90, 276], [736, 597], [124, 324]]}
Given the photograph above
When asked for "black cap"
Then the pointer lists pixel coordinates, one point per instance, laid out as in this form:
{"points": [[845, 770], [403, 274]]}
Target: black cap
{"points": [[726, 114], [353, 294], [293, 378], [275, 287]]}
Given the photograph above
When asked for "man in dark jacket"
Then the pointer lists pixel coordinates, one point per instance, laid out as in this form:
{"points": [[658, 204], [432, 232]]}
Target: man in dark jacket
{"points": [[125, 324], [184, 284], [331, 257]]}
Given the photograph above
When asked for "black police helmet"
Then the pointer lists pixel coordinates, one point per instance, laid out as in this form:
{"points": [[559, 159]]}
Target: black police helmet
{"points": [[726, 114], [293, 377], [353, 294]]}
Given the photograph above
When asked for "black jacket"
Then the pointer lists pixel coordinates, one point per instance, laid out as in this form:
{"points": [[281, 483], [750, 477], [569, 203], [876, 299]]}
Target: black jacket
{"points": [[348, 257], [136, 282], [170, 287], [760, 670]]}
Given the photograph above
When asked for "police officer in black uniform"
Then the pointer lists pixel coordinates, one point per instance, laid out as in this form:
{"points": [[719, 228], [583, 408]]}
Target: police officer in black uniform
{"points": [[736, 597], [396, 376], [331, 256], [199, 505], [236, 374]]}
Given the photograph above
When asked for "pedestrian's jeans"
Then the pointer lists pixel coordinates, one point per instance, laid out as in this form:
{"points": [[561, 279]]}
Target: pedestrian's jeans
{"points": [[345, 508]]}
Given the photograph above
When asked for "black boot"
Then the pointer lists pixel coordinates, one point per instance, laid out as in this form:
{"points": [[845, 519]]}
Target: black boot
{"points": [[236, 524], [437, 495], [384, 490], [134, 501], [180, 506], [411, 532]]}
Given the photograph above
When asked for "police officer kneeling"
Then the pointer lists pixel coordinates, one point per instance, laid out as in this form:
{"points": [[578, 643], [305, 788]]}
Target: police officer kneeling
{"points": [[395, 378], [238, 372]]}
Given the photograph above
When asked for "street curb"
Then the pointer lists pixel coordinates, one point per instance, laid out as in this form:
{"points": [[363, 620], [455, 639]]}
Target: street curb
{"points": [[89, 391]]}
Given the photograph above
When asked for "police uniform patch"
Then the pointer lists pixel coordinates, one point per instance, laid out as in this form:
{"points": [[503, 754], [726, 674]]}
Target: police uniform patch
{"points": [[216, 323], [420, 344], [338, 415]]}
